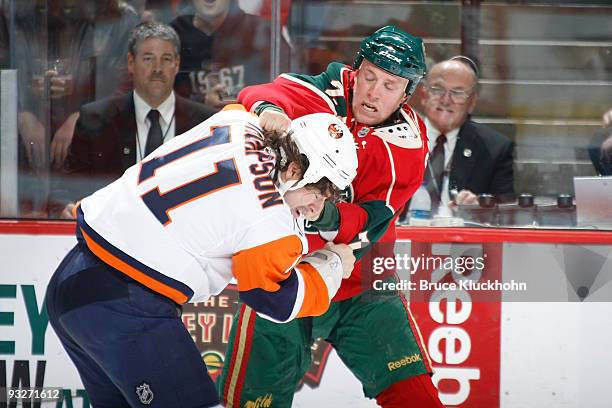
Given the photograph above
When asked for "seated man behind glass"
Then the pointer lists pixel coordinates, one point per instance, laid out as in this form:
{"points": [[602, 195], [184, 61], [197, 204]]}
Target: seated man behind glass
{"points": [[474, 158]]}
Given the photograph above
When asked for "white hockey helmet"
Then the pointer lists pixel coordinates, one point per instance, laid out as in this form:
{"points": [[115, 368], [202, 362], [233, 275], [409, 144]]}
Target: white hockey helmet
{"points": [[329, 147]]}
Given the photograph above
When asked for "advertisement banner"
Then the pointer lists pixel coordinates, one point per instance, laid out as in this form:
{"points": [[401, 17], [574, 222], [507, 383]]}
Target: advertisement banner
{"points": [[460, 324], [31, 356]]}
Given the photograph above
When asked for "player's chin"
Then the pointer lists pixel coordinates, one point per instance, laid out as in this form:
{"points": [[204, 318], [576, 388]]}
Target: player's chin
{"points": [[369, 118], [295, 212]]}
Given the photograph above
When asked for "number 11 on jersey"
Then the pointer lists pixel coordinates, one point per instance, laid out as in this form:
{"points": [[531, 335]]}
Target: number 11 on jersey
{"points": [[225, 175]]}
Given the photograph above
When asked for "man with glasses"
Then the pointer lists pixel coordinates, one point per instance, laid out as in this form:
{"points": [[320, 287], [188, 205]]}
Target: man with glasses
{"points": [[466, 158]]}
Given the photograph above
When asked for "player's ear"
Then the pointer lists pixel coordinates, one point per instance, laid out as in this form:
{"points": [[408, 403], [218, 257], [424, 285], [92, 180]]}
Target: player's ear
{"points": [[293, 172]]}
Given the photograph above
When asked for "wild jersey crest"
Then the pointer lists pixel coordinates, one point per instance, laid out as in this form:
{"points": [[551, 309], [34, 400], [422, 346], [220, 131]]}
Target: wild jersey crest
{"points": [[400, 134], [405, 134]]}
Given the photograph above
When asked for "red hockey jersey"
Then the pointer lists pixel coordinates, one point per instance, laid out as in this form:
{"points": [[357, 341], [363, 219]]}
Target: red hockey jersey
{"points": [[391, 157]]}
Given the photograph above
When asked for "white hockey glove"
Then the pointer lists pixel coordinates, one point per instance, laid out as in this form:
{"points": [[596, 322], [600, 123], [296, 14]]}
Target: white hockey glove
{"points": [[334, 262]]}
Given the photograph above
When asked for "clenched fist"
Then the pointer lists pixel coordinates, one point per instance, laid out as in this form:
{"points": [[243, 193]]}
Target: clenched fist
{"points": [[274, 121], [346, 257]]}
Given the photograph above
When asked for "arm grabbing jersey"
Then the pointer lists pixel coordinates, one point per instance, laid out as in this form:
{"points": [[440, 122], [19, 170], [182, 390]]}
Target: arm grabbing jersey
{"points": [[202, 209], [391, 159]]}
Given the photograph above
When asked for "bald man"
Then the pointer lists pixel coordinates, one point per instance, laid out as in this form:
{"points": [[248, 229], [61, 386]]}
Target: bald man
{"points": [[477, 159]]}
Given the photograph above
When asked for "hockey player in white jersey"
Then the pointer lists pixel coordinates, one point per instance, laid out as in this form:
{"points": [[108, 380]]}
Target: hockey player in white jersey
{"points": [[221, 201]]}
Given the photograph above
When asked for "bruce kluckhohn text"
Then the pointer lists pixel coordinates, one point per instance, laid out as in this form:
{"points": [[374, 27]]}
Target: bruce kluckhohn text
{"points": [[467, 285]]}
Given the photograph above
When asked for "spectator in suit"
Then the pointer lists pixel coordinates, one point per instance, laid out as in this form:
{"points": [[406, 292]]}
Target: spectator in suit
{"points": [[223, 49], [600, 147], [466, 158], [114, 133]]}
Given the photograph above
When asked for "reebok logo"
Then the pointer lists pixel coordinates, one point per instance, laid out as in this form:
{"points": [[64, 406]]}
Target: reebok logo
{"points": [[394, 365]]}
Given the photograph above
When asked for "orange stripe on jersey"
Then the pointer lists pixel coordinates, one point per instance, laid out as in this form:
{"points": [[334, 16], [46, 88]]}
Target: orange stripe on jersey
{"points": [[316, 298], [234, 106], [263, 266], [75, 209], [132, 272]]}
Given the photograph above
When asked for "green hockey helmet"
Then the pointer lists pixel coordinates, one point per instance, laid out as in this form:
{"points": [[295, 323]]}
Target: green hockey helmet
{"points": [[395, 51]]}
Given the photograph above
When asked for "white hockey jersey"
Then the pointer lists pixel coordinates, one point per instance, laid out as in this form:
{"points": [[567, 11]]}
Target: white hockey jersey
{"points": [[200, 210]]}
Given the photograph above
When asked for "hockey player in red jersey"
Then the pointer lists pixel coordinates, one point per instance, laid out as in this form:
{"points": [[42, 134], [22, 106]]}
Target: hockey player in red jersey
{"points": [[220, 201], [371, 332]]}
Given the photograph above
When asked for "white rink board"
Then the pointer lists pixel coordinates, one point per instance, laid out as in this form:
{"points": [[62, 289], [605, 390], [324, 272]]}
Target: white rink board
{"points": [[552, 354], [556, 355]]}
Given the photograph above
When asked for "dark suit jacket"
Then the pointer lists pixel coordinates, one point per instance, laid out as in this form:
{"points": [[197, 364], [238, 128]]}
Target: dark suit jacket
{"points": [[104, 142], [482, 162]]}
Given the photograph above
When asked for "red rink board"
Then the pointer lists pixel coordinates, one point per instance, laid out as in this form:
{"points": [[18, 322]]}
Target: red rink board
{"points": [[464, 347]]}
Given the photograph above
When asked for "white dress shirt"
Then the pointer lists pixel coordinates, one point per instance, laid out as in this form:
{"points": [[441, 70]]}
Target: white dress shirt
{"points": [[449, 148], [166, 121]]}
